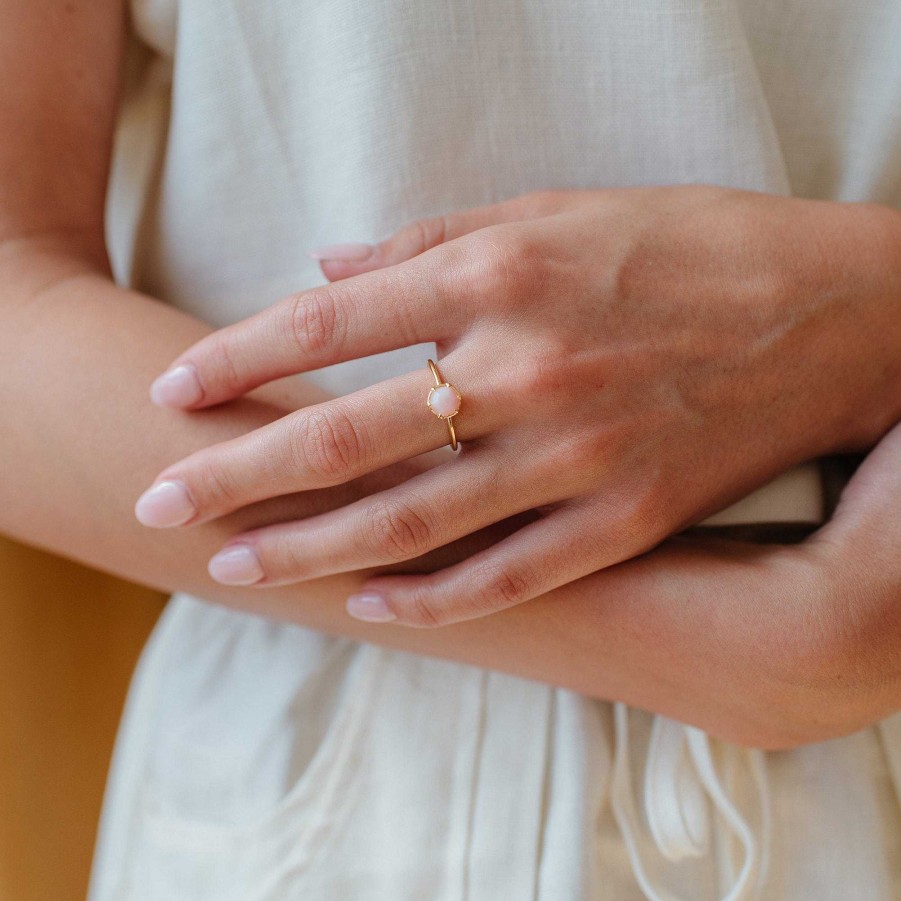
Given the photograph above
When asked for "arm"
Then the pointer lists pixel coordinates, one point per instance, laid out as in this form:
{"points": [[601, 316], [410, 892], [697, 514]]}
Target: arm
{"points": [[77, 355], [670, 631]]}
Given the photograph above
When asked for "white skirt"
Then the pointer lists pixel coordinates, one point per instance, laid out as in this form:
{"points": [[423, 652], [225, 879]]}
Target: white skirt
{"points": [[266, 762]]}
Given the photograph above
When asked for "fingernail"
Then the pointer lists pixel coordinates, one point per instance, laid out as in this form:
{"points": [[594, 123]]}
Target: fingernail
{"points": [[344, 253], [369, 606], [179, 387], [238, 565], [164, 505]]}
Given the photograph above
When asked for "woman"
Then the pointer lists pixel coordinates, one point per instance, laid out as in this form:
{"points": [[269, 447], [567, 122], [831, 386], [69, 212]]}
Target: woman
{"points": [[629, 361]]}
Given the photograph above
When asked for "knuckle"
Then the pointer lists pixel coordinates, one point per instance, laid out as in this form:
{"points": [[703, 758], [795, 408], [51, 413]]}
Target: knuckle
{"points": [[524, 246], [501, 261], [635, 521], [546, 373], [542, 202], [646, 520], [580, 453], [214, 486], [329, 443], [224, 360], [425, 611], [317, 326], [281, 557], [424, 234], [499, 587], [397, 531]]}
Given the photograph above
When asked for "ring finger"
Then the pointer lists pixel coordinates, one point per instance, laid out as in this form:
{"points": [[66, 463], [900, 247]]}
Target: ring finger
{"points": [[317, 447]]}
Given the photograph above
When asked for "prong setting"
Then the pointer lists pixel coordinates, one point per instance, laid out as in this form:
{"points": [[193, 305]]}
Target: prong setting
{"points": [[444, 400]]}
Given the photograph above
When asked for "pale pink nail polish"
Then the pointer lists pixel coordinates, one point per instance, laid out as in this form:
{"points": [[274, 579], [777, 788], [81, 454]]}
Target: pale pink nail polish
{"points": [[343, 253], [369, 606], [164, 505], [179, 387], [237, 565]]}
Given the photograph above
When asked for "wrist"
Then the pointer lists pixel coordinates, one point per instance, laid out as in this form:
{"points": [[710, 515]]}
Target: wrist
{"points": [[879, 273], [843, 286]]}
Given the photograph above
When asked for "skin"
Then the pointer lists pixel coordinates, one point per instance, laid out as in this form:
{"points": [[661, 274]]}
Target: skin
{"points": [[637, 330], [815, 655]]}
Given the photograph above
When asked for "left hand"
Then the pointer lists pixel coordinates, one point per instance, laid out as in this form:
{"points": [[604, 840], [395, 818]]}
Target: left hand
{"points": [[630, 361], [771, 646]]}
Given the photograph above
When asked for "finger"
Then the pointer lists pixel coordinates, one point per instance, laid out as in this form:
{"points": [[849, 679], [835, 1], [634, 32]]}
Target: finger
{"points": [[564, 546], [317, 447], [379, 311], [428, 511], [339, 261]]}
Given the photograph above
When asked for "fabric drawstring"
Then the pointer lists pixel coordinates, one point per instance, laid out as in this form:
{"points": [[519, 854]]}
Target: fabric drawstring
{"points": [[680, 829], [680, 783]]}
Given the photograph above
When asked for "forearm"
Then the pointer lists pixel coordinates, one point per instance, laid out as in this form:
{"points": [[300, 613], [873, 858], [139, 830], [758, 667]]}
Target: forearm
{"points": [[81, 435]]}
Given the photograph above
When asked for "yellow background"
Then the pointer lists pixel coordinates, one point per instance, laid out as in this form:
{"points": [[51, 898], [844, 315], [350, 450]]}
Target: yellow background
{"points": [[69, 639]]}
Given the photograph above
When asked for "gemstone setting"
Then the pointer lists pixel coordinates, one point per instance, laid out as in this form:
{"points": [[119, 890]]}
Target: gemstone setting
{"points": [[444, 400]]}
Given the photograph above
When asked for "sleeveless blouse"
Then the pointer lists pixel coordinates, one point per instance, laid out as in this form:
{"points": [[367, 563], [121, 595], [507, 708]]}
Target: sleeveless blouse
{"points": [[259, 761]]}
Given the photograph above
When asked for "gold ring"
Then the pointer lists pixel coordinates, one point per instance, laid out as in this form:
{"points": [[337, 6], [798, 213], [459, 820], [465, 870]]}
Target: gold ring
{"points": [[444, 401]]}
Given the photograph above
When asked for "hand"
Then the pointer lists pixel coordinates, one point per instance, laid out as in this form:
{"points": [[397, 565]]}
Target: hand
{"points": [[768, 646], [630, 361]]}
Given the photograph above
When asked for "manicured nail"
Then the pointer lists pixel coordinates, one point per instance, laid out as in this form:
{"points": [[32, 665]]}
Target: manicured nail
{"points": [[179, 387], [343, 253], [164, 505], [369, 606], [238, 565]]}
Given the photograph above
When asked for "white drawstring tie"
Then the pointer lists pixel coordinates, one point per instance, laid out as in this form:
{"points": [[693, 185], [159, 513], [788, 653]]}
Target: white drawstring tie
{"points": [[679, 785]]}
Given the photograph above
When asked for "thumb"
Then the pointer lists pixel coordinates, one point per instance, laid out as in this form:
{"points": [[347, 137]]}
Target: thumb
{"points": [[339, 261]]}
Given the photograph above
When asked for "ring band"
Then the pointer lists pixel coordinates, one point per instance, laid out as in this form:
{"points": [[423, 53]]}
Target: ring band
{"points": [[444, 401]]}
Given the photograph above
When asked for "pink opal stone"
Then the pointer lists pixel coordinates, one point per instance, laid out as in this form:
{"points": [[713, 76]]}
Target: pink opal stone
{"points": [[444, 401]]}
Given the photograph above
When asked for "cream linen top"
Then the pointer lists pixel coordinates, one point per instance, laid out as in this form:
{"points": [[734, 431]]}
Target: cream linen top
{"points": [[264, 762]]}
